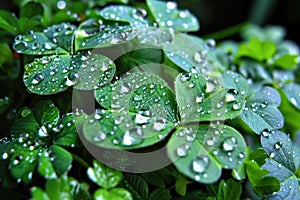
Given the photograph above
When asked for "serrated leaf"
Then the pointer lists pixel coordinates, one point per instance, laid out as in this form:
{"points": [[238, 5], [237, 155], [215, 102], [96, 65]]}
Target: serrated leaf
{"points": [[54, 74], [286, 61], [135, 16], [226, 188], [167, 15], [256, 49], [289, 185], [206, 99], [104, 176], [261, 111], [102, 33], [115, 194], [136, 185], [201, 152], [160, 193], [292, 92], [142, 111], [280, 148]]}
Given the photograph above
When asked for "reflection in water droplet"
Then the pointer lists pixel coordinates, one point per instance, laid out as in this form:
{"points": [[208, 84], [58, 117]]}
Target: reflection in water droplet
{"points": [[42, 132], [38, 78], [229, 144], [278, 145], [159, 124], [199, 165]]}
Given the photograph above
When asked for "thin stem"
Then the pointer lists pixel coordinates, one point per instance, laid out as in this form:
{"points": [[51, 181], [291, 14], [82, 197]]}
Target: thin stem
{"points": [[80, 161], [227, 32]]}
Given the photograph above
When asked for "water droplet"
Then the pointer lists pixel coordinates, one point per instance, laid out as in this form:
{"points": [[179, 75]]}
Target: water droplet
{"points": [[42, 132], [171, 5], [185, 77], [139, 13], [231, 95], [210, 141], [182, 14], [199, 99], [140, 118], [38, 78], [266, 133], [99, 137], [293, 101], [229, 144], [132, 137], [159, 124], [210, 44], [4, 156], [181, 151], [242, 155], [119, 120], [236, 106], [200, 56], [200, 164], [211, 86], [278, 145]]}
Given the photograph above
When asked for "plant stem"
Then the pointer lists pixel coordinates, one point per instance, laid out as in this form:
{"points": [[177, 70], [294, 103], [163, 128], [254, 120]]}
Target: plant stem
{"points": [[80, 161], [227, 32]]}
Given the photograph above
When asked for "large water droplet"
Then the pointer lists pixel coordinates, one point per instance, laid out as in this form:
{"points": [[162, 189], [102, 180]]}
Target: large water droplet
{"points": [[99, 137], [181, 151], [236, 106], [185, 77], [140, 118], [159, 124], [266, 133], [42, 132], [211, 86], [231, 95], [132, 137], [38, 78], [200, 164], [229, 144]]}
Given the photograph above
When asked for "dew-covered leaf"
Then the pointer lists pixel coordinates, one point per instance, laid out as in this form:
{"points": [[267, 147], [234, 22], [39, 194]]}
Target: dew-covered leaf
{"points": [[135, 16], [261, 110], [201, 152], [289, 185], [141, 112], [61, 159], [102, 33], [256, 49], [292, 92], [167, 15], [45, 167], [46, 113], [286, 61], [204, 99], [279, 147], [104, 176], [136, 185], [115, 194], [254, 70], [54, 74], [189, 53]]}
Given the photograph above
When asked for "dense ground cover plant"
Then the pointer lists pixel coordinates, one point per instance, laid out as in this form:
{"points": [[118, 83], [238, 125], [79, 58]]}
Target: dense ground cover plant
{"points": [[88, 89]]}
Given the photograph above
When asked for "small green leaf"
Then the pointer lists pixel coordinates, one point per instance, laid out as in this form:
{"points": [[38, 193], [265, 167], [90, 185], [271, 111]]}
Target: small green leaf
{"points": [[292, 92], [62, 159], [181, 184], [8, 21], [136, 17], [25, 24], [206, 99], [225, 191], [286, 61], [167, 15], [104, 176], [38, 194], [261, 183], [115, 194], [261, 111], [256, 49], [102, 33], [136, 185], [46, 113], [161, 194], [201, 152], [45, 167]]}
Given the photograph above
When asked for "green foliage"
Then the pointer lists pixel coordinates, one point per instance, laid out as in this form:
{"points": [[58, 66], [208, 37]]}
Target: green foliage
{"points": [[84, 80]]}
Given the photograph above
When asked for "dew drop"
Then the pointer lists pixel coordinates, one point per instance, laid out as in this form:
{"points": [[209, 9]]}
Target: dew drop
{"points": [[293, 101], [181, 151], [4, 156], [266, 133], [200, 164], [159, 124], [200, 57], [139, 13], [42, 132], [38, 78], [171, 5], [210, 141], [199, 99], [236, 106], [242, 155], [132, 137], [185, 77], [99, 137], [229, 144], [211, 86], [278, 145], [210, 44], [141, 119], [231, 95]]}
